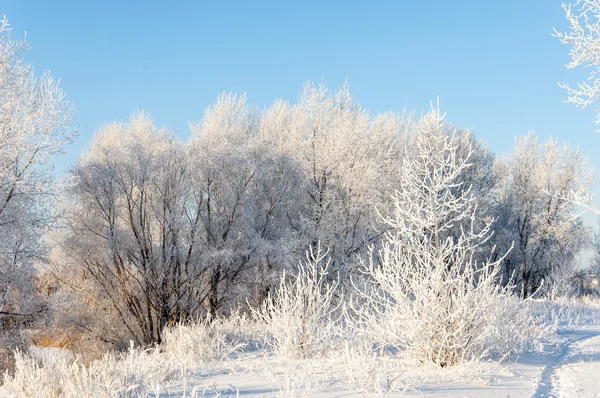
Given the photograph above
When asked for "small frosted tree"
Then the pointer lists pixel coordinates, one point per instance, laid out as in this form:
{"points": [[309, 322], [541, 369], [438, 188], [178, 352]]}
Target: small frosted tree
{"points": [[431, 295], [299, 314]]}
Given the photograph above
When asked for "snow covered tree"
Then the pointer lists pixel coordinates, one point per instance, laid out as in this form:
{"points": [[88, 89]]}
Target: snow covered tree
{"points": [[584, 39], [343, 153], [169, 231], [245, 191], [35, 126], [130, 228], [545, 228], [431, 295]]}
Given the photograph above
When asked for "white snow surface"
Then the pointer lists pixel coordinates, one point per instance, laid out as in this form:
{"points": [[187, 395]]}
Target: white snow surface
{"points": [[578, 374], [568, 366]]}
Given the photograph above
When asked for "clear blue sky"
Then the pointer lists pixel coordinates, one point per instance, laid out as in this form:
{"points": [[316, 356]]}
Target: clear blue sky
{"points": [[494, 64]]}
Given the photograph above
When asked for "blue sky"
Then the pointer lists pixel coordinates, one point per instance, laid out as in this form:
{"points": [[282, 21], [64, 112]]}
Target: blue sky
{"points": [[494, 64]]}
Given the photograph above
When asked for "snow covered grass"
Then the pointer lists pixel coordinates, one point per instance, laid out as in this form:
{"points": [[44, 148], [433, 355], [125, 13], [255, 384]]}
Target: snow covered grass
{"points": [[409, 329], [222, 356], [299, 339], [134, 373], [208, 340], [566, 312], [130, 374]]}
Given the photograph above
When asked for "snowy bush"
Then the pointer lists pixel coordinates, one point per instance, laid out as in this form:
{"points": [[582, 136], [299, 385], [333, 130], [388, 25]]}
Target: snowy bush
{"points": [[516, 329], [434, 293], [299, 317]]}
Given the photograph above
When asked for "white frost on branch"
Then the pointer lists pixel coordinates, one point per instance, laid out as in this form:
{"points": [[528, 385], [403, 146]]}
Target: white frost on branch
{"points": [[584, 39]]}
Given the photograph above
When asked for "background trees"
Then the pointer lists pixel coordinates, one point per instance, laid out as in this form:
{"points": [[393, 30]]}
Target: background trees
{"points": [[545, 228], [245, 192], [158, 231], [343, 153]]}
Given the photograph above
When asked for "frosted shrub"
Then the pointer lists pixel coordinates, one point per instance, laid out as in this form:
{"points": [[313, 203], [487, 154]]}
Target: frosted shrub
{"points": [[299, 316], [516, 328], [434, 294], [439, 315]]}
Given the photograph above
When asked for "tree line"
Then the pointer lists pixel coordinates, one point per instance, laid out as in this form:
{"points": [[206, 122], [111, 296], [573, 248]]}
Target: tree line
{"points": [[148, 231]]}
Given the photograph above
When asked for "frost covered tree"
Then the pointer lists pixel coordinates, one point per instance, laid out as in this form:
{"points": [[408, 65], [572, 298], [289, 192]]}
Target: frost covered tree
{"points": [[35, 126], [545, 228], [431, 295], [222, 174], [245, 190], [130, 228], [584, 40], [343, 153], [169, 231]]}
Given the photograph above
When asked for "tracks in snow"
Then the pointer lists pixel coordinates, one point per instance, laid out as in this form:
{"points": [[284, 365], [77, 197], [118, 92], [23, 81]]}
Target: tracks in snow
{"points": [[545, 386]]}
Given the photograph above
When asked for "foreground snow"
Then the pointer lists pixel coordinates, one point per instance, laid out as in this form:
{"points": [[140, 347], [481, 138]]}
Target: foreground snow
{"points": [[568, 366], [578, 374], [229, 357]]}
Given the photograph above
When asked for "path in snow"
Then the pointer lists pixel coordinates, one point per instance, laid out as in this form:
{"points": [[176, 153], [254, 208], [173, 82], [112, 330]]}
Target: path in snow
{"points": [[551, 382], [579, 371]]}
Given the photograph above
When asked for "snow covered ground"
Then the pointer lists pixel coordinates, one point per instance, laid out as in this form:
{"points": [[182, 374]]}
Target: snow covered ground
{"points": [[569, 366], [578, 373], [208, 359], [566, 366]]}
